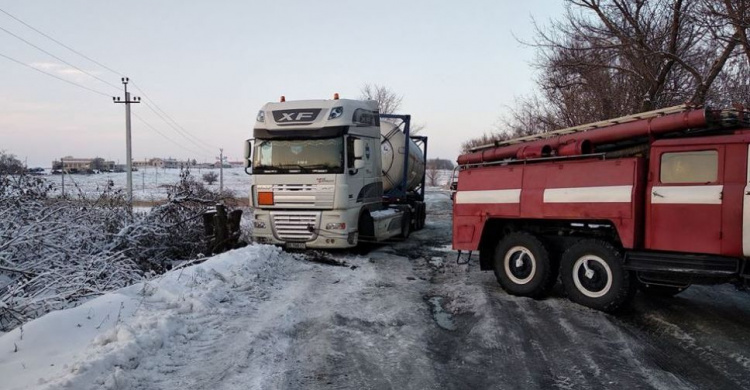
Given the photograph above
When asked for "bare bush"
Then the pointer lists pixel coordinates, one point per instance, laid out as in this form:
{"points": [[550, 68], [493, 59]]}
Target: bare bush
{"points": [[54, 252], [210, 177]]}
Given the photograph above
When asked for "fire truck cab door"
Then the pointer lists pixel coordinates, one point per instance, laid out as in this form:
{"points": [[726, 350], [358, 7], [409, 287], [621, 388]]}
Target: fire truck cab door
{"points": [[685, 199]]}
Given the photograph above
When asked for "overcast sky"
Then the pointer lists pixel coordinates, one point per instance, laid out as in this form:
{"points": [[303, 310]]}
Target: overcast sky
{"points": [[210, 65]]}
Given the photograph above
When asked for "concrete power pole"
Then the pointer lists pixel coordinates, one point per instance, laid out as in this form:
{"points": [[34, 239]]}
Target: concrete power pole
{"points": [[221, 171], [62, 173], [128, 148]]}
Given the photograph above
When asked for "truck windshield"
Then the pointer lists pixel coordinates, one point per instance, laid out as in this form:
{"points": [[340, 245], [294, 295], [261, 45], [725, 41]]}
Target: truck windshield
{"points": [[299, 156]]}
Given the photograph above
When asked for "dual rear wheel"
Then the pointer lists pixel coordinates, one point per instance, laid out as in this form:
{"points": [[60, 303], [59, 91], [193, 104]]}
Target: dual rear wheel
{"points": [[591, 271]]}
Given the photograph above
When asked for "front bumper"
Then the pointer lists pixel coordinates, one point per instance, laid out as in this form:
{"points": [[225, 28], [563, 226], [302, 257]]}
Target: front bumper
{"points": [[305, 229]]}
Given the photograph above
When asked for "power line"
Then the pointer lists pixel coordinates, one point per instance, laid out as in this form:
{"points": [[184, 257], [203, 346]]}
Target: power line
{"points": [[58, 58], [173, 123], [176, 129], [61, 44], [57, 77], [166, 137]]}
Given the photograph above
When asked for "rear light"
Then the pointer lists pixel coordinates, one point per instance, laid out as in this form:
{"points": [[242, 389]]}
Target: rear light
{"points": [[265, 198]]}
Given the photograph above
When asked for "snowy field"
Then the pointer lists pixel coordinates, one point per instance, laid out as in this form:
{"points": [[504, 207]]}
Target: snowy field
{"points": [[403, 316], [149, 184], [152, 184]]}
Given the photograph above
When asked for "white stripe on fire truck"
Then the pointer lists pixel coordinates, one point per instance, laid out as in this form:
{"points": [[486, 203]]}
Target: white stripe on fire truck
{"points": [[488, 196], [686, 194], [605, 194]]}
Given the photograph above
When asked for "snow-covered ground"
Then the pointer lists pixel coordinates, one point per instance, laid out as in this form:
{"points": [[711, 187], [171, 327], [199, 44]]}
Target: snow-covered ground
{"points": [[149, 184], [403, 316]]}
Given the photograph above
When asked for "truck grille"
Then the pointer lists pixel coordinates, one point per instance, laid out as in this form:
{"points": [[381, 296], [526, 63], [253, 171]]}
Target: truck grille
{"points": [[303, 195], [295, 225]]}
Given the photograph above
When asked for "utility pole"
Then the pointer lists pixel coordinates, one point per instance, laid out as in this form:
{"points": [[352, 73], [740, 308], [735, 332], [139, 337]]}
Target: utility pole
{"points": [[128, 148], [221, 170], [62, 173]]}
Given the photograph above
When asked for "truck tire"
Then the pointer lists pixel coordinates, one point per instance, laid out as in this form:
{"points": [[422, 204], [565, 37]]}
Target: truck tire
{"points": [[366, 227], [657, 290], [419, 220], [593, 275], [522, 266], [406, 225]]}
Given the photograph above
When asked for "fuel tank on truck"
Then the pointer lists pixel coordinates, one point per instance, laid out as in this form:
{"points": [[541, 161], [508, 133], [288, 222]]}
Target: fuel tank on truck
{"points": [[392, 144]]}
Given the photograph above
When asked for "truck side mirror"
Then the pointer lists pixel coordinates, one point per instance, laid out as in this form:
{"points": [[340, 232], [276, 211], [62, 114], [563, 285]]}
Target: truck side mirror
{"points": [[248, 154], [359, 149], [359, 164]]}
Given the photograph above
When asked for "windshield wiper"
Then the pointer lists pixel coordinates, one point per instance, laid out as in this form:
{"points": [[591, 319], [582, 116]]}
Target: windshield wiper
{"points": [[290, 166], [320, 166]]}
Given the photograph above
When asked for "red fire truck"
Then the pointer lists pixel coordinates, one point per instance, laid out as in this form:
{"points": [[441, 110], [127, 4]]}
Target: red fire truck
{"points": [[657, 201]]}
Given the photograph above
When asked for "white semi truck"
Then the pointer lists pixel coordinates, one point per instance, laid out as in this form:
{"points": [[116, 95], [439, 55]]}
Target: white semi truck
{"points": [[331, 174]]}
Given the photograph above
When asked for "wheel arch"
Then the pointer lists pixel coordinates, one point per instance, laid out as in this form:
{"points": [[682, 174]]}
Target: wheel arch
{"points": [[557, 233]]}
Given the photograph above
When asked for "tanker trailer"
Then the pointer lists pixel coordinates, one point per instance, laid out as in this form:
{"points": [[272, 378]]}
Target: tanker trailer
{"points": [[331, 174]]}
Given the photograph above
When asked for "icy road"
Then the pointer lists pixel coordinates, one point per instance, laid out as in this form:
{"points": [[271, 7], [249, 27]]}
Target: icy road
{"points": [[404, 316]]}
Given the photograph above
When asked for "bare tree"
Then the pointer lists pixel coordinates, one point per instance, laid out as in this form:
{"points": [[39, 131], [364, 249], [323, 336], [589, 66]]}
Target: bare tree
{"points": [[9, 164], [388, 101], [608, 58], [484, 139], [432, 173], [98, 164]]}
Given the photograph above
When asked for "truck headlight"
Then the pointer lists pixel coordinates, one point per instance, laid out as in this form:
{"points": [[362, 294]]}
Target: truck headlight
{"points": [[336, 226], [258, 224], [336, 112]]}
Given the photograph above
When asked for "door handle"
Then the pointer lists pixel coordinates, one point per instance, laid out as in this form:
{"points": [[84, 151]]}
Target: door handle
{"points": [[658, 194]]}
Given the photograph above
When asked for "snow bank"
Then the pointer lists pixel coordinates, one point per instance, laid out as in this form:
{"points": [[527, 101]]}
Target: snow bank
{"points": [[113, 332], [383, 213]]}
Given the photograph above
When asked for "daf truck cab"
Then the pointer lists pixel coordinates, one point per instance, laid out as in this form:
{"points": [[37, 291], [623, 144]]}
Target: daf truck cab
{"points": [[318, 179]]}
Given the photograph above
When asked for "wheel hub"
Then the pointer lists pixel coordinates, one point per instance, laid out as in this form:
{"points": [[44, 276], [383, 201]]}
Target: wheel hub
{"points": [[520, 265], [592, 276]]}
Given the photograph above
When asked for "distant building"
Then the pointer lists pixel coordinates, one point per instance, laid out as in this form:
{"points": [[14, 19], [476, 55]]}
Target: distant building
{"points": [[74, 164], [157, 162]]}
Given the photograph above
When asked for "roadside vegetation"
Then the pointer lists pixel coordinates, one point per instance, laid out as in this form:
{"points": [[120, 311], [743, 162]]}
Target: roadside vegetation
{"points": [[57, 251], [608, 58]]}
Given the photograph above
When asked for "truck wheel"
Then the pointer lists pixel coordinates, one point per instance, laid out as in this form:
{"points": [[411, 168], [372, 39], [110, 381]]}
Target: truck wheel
{"points": [[418, 225], [366, 227], [657, 290], [406, 225], [522, 266], [593, 275], [422, 215]]}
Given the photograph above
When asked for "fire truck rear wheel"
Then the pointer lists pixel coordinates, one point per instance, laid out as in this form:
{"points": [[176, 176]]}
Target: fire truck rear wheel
{"points": [[593, 275], [522, 265]]}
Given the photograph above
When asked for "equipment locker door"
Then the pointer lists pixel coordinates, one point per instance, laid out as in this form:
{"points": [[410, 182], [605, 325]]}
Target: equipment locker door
{"points": [[685, 199]]}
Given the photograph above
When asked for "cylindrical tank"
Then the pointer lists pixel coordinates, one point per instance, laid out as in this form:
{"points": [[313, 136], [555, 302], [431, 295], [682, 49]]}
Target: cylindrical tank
{"points": [[393, 148], [695, 118]]}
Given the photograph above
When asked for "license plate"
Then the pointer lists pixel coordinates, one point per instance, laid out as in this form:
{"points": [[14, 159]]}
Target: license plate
{"points": [[295, 245]]}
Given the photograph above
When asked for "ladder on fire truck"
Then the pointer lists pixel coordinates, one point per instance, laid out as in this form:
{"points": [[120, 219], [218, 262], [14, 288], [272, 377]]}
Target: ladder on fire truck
{"points": [[588, 126]]}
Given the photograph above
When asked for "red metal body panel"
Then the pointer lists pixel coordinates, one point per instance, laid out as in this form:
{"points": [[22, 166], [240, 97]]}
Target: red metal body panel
{"points": [[559, 190], [700, 228], [551, 190]]}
